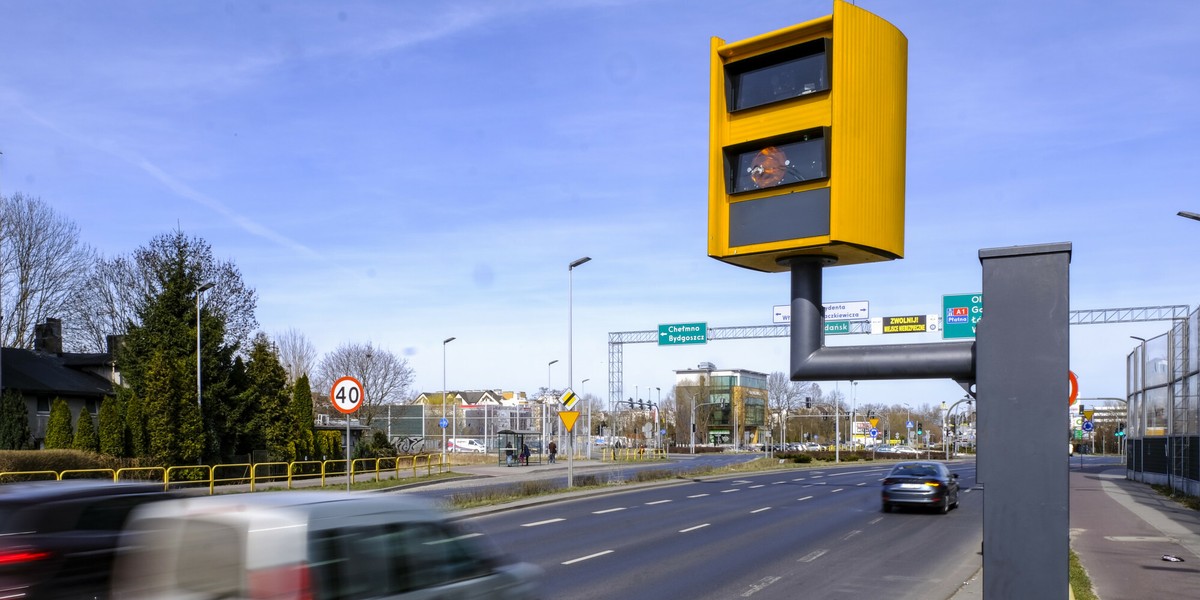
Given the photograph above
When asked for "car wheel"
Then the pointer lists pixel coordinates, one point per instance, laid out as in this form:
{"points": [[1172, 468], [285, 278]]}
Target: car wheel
{"points": [[945, 508], [955, 503], [887, 508]]}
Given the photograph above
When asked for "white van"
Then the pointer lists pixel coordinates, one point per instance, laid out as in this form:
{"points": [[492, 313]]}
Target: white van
{"points": [[465, 445], [308, 546]]}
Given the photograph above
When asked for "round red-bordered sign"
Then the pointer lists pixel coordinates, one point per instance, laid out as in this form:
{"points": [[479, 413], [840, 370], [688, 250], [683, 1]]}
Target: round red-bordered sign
{"points": [[346, 395], [1074, 381]]}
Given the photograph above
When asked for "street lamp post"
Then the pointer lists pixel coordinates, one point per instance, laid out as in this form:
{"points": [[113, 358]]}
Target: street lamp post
{"points": [[444, 398], [199, 398], [583, 396], [571, 364], [199, 387], [545, 399], [853, 409]]}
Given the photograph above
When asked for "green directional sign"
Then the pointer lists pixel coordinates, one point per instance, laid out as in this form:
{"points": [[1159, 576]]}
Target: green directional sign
{"points": [[680, 334], [837, 327], [960, 315]]}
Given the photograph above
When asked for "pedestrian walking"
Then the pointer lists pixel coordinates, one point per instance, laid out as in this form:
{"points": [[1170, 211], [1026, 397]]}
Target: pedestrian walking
{"points": [[553, 450], [525, 453]]}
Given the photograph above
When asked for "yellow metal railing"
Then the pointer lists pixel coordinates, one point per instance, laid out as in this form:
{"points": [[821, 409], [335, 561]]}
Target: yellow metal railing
{"points": [[252, 474]]}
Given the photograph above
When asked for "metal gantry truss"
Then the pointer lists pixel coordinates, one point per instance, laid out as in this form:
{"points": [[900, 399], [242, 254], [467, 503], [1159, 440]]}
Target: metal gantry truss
{"points": [[618, 339]]}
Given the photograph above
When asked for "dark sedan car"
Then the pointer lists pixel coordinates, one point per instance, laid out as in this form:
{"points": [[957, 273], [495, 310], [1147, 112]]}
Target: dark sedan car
{"points": [[922, 483], [58, 538]]}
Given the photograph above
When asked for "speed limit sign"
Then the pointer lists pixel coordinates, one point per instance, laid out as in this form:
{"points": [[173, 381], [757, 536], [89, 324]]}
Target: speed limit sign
{"points": [[347, 395]]}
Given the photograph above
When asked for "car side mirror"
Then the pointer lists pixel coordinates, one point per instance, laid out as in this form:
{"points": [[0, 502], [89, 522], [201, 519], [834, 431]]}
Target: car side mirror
{"points": [[954, 475]]}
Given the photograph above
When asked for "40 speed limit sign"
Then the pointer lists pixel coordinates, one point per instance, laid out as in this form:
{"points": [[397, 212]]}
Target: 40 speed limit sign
{"points": [[347, 395]]}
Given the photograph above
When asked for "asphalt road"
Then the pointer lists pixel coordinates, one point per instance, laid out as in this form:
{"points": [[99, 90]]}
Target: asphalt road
{"points": [[779, 535]]}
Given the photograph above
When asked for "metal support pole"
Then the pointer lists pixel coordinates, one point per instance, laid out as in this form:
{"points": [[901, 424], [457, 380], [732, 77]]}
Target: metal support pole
{"points": [[1023, 351]]}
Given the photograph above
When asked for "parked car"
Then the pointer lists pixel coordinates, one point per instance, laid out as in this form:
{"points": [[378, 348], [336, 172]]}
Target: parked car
{"points": [[905, 451], [883, 449], [465, 445], [922, 483], [311, 546], [58, 538], [812, 447]]}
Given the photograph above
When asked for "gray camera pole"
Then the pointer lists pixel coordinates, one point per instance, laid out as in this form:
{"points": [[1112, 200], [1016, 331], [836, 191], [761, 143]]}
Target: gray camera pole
{"points": [[1019, 363]]}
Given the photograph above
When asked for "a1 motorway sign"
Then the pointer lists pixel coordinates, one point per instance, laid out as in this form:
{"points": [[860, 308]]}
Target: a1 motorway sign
{"points": [[960, 315]]}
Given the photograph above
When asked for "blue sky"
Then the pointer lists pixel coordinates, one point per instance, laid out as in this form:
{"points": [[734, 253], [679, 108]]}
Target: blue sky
{"points": [[403, 172]]}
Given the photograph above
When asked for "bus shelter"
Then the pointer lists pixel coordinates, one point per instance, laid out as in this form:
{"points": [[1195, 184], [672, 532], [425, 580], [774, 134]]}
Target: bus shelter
{"points": [[511, 441]]}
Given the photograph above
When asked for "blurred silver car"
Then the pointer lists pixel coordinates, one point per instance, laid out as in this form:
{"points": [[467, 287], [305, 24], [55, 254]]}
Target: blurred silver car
{"points": [[922, 483], [309, 546]]}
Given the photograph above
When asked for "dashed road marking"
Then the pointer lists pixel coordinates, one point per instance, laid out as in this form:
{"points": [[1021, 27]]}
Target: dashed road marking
{"points": [[588, 557]]}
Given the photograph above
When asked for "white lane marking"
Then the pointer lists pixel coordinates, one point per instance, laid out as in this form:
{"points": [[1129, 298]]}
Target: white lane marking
{"points": [[778, 482], [798, 479], [811, 556], [607, 510], [657, 502], [967, 491], [804, 498], [852, 534], [733, 490], [875, 520], [741, 481], [862, 484], [698, 496], [760, 510], [693, 528], [817, 476], [837, 490], [753, 487], [546, 522], [762, 583], [588, 557]]}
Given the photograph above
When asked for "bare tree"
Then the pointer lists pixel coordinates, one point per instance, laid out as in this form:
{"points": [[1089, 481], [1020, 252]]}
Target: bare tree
{"points": [[43, 265], [117, 287], [296, 353], [385, 378]]}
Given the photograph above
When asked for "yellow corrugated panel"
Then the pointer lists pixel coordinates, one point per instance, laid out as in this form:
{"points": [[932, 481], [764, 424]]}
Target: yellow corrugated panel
{"points": [[864, 118]]}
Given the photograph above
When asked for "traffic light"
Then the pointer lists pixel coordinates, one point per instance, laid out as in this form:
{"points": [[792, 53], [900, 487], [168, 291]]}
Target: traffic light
{"points": [[808, 402], [920, 430], [807, 142], [1080, 409]]}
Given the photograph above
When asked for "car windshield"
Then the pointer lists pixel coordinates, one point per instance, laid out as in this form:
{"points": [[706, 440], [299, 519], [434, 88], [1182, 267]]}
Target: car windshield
{"points": [[916, 471]]}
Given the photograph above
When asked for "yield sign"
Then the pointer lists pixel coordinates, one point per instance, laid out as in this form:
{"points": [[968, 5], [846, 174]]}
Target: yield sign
{"points": [[568, 418], [1087, 414], [874, 423]]}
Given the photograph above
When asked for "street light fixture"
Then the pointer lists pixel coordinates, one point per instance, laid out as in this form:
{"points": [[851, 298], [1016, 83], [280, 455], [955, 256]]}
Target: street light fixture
{"points": [[444, 398], [1189, 215]]}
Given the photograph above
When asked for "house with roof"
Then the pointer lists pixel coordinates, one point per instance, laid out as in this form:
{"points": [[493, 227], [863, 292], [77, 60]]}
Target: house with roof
{"points": [[46, 373]]}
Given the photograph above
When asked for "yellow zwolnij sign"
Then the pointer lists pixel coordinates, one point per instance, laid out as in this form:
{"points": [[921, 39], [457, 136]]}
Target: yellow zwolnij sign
{"points": [[912, 324]]}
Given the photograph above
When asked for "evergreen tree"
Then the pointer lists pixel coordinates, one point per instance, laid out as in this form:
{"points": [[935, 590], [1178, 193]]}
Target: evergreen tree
{"points": [[86, 438], [138, 438], [329, 445], [272, 423], [14, 422], [232, 420], [302, 414], [59, 433], [172, 423], [112, 431], [158, 359]]}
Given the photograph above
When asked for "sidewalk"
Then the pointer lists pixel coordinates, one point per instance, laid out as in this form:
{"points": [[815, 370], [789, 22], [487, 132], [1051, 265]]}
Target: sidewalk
{"points": [[1121, 530]]}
